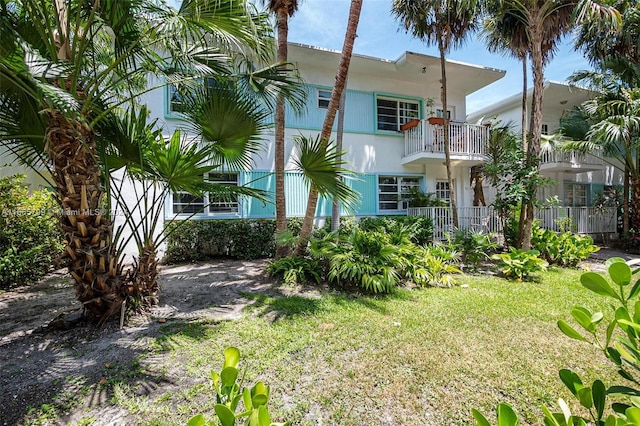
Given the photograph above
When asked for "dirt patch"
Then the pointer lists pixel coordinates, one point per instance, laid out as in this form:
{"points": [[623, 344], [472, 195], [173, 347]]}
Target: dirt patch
{"points": [[43, 369]]}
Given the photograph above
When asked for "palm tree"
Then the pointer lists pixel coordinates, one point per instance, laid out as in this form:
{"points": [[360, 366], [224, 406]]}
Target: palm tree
{"points": [[537, 26], [336, 94], [78, 61], [283, 9], [444, 23]]}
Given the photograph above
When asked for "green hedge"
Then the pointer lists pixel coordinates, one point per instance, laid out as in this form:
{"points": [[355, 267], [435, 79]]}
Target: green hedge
{"points": [[29, 235], [205, 239]]}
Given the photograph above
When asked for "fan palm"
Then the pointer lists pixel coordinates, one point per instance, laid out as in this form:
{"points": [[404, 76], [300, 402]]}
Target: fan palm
{"points": [[79, 60], [444, 23]]}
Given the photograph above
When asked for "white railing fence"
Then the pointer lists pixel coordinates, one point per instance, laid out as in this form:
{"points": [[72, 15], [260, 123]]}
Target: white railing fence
{"points": [[585, 220], [468, 139], [594, 157]]}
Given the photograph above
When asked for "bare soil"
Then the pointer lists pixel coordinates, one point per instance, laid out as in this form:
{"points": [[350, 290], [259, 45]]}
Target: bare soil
{"points": [[71, 369], [57, 376]]}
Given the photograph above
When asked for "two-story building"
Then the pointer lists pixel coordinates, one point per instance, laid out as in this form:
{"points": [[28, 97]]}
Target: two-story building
{"points": [[391, 136], [580, 180]]}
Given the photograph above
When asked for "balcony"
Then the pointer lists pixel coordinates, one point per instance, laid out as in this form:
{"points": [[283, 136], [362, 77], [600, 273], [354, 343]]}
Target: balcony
{"points": [[424, 142], [571, 162]]}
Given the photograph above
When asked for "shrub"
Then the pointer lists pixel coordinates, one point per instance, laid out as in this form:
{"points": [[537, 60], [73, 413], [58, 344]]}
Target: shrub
{"points": [[564, 248], [430, 267], [204, 239], [420, 228], [520, 264], [474, 246], [620, 344], [295, 269], [29, 235]]}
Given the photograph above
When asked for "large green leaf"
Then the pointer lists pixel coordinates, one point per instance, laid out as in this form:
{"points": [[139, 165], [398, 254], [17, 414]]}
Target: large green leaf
{"points": [[570, 331], [620, 273], [225, 415], [571, 380], [231, 357], [197, 420], [599, 397], [596, 283], [228, 376], [583, 317], [481, 420], [506, 415]]}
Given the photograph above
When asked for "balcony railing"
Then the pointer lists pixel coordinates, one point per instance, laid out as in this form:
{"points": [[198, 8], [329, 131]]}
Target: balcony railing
{"points": [[585, 220], [464, 139], [574, 158]]}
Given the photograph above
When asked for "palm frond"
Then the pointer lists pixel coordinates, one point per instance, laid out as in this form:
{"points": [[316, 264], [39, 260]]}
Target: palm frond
{"points": [[228, 120], [322, 167]]}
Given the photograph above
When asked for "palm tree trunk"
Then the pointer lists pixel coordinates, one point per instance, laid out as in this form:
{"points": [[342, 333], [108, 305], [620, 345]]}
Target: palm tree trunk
{"points": [[341, 79], [447, 150], [625, 201], [279, 144], [87, 231], [335, 208], [525, 148], [536, 125], [635, 203]]}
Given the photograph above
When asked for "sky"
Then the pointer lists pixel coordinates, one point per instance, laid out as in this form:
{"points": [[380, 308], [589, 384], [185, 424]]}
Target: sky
{"points": [[323, 23]]}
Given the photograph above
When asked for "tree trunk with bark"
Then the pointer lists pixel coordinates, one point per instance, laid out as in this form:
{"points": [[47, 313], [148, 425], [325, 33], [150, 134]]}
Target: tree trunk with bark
{"points": [[335, 208], [536, 122], [447, 148], [279, 143], [87, 231], [341, 78]]}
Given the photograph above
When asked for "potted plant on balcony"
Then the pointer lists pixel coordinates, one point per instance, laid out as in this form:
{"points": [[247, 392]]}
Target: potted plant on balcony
{"points": [[409, 124], [437, 121]]}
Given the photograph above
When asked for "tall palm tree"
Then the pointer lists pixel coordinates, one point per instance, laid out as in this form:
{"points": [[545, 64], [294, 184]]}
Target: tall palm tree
{"points": [[327, 125], [283, 9], [444, 23], [537, 27], [80, 60]]}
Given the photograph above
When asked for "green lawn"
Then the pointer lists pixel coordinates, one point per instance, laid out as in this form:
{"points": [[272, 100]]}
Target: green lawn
{"points": [[416, 357]]}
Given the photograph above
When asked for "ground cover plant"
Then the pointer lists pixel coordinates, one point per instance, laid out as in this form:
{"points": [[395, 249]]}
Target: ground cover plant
{"points": [[412, 357]]}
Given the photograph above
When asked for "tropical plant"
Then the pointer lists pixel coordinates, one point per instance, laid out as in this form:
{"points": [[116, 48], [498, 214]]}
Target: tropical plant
{"points": [[80, 61], [327, 125], [446, 24], [229, 390], [419, 229], [519, 264], [29, 238], [295, 269], [620, 344], [562, 248], [474, 246]]}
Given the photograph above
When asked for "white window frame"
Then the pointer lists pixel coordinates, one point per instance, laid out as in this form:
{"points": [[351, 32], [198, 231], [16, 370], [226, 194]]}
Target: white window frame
{"points": [[208, 206], [570, 199], [324, 97], [439, 113], [545, 129], [443, 191], [389, 198], [402, 114]]}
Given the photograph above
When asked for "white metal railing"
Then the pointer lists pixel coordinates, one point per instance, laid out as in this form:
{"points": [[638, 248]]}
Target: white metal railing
{"points": [[593, 158], [583, 220], [466, 139], [586, 220]]}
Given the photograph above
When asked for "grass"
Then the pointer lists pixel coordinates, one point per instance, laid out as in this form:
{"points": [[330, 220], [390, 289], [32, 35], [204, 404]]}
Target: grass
{"points": [[412, 358]]}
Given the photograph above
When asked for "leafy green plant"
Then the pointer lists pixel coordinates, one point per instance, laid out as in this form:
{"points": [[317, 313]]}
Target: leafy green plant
{"points": [[520, 264], [621, 346], [564, 249], [417, 198], [230, 391], [420, 228], [29, 237], [474, 246], [205, 239], [295, 269]]}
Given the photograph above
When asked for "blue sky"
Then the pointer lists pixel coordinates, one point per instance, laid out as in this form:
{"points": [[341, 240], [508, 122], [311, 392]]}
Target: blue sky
{"points": [[323, 23]]}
